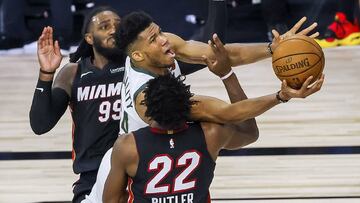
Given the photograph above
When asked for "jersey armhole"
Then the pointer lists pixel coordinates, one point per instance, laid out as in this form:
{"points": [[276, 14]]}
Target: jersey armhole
{"points": [[205, 143], [66, 77], [139, 155]]}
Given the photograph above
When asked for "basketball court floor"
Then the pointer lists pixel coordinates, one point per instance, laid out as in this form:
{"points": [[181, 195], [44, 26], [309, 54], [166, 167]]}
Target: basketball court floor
{"points": [[308, 150]]}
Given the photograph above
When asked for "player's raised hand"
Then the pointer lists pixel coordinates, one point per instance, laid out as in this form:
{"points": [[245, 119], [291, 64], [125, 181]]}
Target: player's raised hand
{"points": [[222, 65], [306, 89], [294, 31], [48, 51]]}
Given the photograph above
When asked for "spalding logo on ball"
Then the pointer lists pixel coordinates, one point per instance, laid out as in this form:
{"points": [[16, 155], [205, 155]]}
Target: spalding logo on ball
{"points": [[296, 59]]}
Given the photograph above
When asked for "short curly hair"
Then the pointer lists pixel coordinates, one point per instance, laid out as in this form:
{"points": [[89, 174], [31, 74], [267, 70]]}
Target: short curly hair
{"points": [[168, 100], [130, 27]]}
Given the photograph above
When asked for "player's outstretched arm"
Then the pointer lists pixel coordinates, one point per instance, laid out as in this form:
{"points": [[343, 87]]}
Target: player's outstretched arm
{"points": [[211, 109], [241, 54], [215, 110], [192, 51]]}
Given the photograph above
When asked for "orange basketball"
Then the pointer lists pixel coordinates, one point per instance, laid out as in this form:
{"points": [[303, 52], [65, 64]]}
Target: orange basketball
{"points": [[296, 59]]}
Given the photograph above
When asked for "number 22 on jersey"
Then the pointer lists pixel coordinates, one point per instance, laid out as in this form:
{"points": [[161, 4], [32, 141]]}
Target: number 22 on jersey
{"points": [[163, 165]]}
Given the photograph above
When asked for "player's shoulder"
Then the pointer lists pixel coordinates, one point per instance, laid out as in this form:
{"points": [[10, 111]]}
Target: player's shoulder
{"points": [[125, 145], [210, 128], [68, 70], [65, 77]]}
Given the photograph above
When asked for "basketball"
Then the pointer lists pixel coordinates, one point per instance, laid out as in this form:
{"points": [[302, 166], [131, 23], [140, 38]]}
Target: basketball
{"points": [[297, 58]]}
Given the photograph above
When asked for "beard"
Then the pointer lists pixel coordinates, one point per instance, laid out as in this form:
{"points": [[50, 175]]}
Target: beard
{"points": [[112, 54]]}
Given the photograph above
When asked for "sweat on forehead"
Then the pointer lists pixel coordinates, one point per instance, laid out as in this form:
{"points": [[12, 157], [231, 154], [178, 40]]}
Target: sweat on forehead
{"points": [[101, 17]]}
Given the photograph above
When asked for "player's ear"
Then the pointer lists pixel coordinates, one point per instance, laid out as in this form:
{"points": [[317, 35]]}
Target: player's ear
{"points": [[137, 56], [89, 38]]}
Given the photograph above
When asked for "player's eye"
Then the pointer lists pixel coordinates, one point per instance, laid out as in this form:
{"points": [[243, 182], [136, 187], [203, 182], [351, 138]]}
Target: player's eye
{"points": [[104, 27]]}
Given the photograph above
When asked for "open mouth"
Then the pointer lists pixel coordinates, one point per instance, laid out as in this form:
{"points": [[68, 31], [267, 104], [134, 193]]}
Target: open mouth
{"points": [[170, 53], [111, 41]]}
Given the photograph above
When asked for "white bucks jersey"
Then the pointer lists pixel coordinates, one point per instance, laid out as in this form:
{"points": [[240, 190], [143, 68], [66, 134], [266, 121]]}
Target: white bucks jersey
{"points": [[134, 82]]}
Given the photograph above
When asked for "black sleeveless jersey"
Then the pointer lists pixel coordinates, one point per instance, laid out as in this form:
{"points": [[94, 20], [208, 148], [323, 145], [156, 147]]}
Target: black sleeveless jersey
{"points": [[95, 107], [173, 168]]}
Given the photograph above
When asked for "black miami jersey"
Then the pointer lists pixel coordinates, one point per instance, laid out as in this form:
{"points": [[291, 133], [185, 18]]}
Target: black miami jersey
{"points": [[95, 108], [173, 168]]}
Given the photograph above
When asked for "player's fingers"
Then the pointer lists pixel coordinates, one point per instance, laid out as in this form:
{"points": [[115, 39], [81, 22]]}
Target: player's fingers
{"points": [[308, 29], [44, 38], [213, 47], [218, 42], [316, 87], [283, 84], [41, 38], [297, 26], [307, 83], [47, 35], [316, 34], [275, 34], [57, 48], [51, 40], [320, 82]]}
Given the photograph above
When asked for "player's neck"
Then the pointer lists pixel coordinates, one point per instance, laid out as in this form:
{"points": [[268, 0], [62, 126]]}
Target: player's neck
{"points": [[99, 60], [156, 70], [157, 128], [152, 69]]}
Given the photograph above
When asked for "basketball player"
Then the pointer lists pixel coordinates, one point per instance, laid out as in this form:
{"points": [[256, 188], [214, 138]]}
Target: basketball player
{"points": [[171, 160], [150, 54], [151, 57], [91, 87]]}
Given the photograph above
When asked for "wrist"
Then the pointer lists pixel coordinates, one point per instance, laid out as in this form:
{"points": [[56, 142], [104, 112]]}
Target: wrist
{"points": [[47, 72], [281, 97], [46, 75], [227, 75]]}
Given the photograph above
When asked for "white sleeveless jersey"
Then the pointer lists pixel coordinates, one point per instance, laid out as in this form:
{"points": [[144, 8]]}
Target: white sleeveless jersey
{"points": [[134, 82]]}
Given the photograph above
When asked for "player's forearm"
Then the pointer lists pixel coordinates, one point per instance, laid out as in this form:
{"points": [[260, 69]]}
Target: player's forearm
{"points": [[245, 54], [248, 128], [247, 109], [47, 107], [234, 89]]}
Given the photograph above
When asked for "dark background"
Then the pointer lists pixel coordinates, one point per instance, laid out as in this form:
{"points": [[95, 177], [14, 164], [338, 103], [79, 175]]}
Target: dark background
{"points": [[245, 21]]}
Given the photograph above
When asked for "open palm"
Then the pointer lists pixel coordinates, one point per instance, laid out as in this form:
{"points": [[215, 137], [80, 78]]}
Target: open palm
{"points": [[293, 31], [48, 51]]}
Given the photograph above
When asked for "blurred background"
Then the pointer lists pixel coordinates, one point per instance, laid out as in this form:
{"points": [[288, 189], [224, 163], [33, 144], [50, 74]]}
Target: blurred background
{"points": [[21, 21], [308, 151]]}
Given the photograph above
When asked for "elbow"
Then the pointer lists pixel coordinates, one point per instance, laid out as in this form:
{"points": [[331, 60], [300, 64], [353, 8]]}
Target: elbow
{"points": [[38, 130], [38, 127], [253, 131], [254, 136]]}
